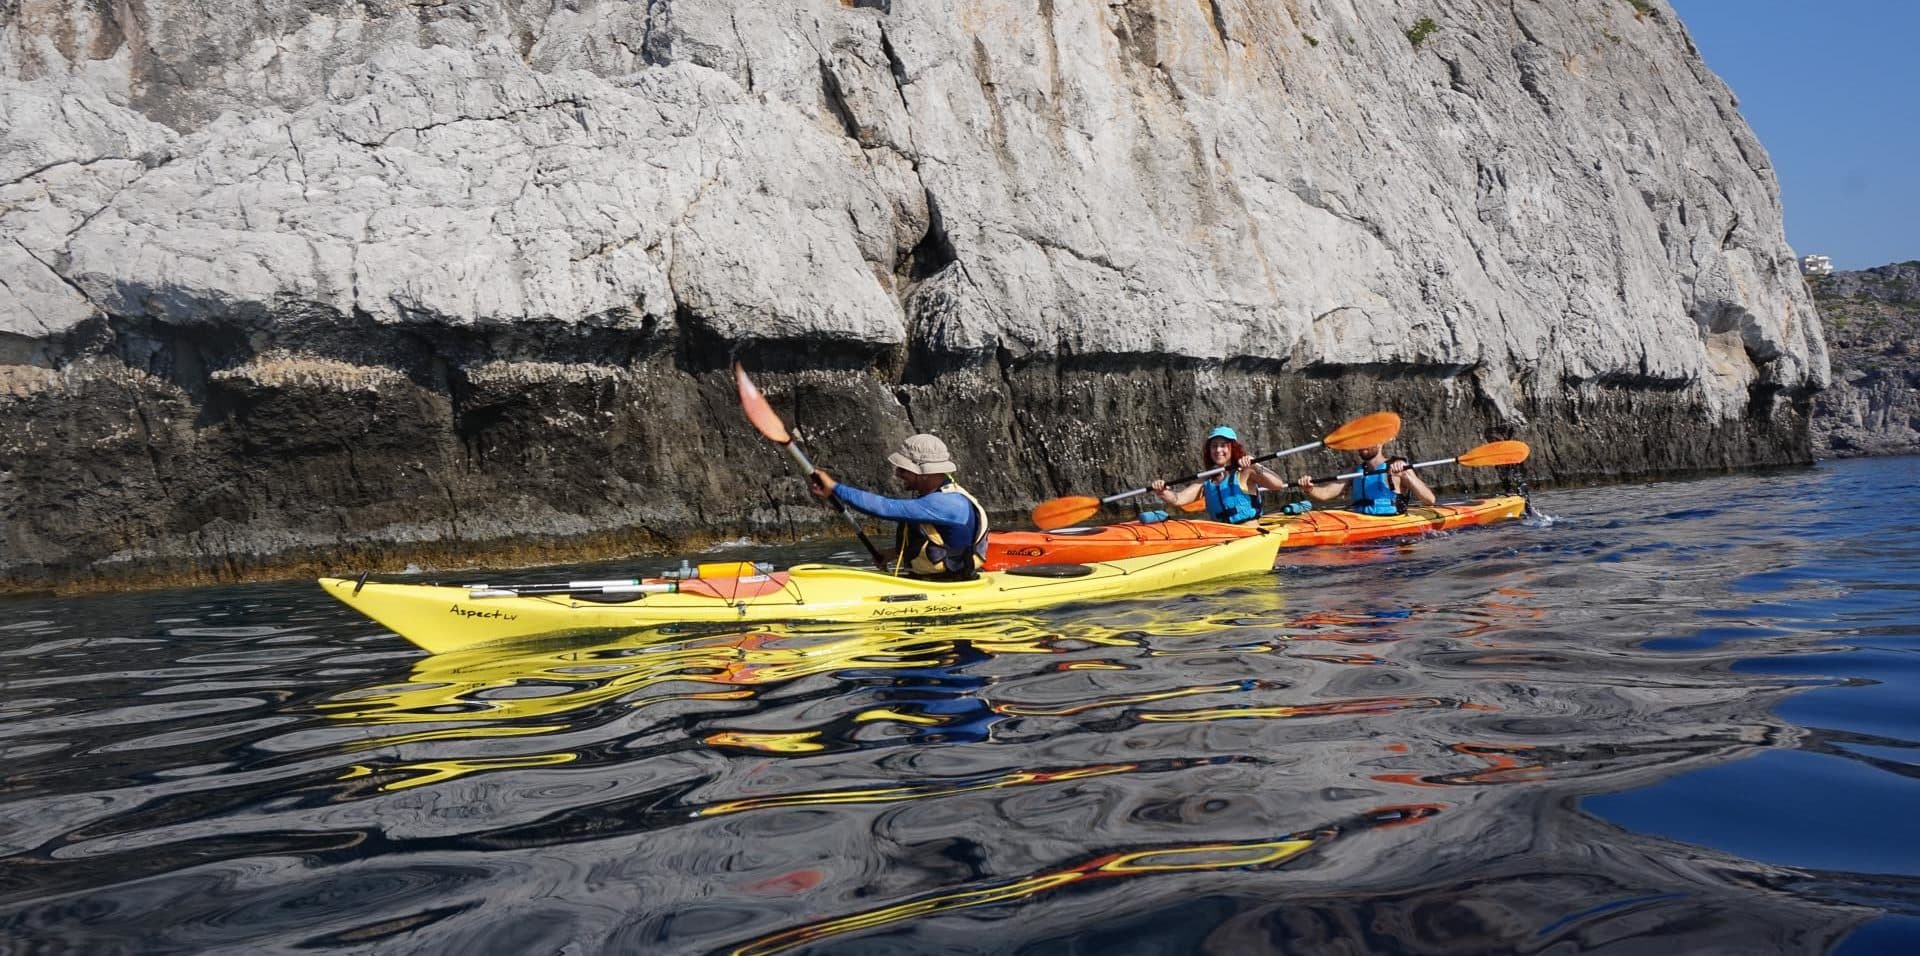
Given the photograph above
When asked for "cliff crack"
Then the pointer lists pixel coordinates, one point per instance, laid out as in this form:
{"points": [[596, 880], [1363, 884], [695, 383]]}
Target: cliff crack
{"points": [[837, 102], [453, 505], [89, 217], [611, 245], [69, 283], [904, 396], [1087, 257], [26, 304], [64, 162], [934, 252], [567, 101], [647, 54], [746, 62], [1017, 430], [1513, 10], [639, 56], [1219, 22], [1320, 199], [897, 68], [153, 448], [353, 468], [300, 160]]}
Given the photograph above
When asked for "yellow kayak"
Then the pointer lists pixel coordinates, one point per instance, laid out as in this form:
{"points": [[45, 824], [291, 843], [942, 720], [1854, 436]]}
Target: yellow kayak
{"points": [[446, 618]]}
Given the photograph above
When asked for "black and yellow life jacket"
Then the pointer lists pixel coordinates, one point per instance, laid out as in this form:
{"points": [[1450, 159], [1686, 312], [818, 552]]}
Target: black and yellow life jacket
{"points": [[920, 550]]}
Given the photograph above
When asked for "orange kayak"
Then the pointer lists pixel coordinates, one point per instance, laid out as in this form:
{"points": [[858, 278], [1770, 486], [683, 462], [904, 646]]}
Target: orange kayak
{"points": [[1336, 526], [1131, 539], [1013, 549]]}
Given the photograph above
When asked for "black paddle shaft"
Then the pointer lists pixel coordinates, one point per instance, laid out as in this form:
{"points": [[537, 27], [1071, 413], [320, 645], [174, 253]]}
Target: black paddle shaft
{"points": [[1349, 476]]}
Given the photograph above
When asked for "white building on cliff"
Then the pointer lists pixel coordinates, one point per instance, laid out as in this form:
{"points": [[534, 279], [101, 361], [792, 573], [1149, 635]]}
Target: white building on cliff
{"points": [[1816, 266]]}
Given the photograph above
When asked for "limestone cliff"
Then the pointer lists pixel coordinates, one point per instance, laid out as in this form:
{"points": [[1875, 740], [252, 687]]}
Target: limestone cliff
{"points": [[1873, 406], [318, 282]]}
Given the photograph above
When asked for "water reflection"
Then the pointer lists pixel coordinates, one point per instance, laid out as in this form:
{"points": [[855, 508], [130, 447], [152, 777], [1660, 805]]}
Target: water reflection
{"points": [[1249, 855], [1584, 736]]}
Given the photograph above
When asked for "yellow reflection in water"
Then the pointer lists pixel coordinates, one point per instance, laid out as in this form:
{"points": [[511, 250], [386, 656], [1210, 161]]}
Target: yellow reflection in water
{"points": [[532, 689], [518, 683], [1375, 705], [888, 713], [456, 733], [1251, 854], [1209, 856], [436, 771], [911, 792], [802, 742]]}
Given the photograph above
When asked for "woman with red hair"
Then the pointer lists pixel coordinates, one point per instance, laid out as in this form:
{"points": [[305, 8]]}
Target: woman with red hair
{"points": [[1233, 495]]}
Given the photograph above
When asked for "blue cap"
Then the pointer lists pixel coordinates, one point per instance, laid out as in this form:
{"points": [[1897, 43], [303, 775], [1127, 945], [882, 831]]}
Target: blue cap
{"points": [[1223, 432]]}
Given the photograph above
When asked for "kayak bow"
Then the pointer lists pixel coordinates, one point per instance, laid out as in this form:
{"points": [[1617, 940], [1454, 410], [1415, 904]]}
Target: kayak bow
{"points": [[1339, 526]]}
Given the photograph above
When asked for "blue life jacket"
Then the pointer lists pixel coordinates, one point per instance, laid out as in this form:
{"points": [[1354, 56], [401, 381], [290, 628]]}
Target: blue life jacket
{"points": [[1373, 495], [1228, 502]]}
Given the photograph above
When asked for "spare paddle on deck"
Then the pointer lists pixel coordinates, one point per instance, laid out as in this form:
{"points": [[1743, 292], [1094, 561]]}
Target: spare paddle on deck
{"points": [[768, 424], [667, 583], [580, 588], [1363, 432], [1491, 453]]}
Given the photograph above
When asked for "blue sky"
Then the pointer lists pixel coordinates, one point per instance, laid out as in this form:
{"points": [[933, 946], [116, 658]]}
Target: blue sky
{"points": [[1832, 88]]}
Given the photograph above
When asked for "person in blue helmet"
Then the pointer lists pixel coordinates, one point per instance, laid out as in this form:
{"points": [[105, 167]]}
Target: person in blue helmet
{"points": [[1233, 496], [1383, 488]]}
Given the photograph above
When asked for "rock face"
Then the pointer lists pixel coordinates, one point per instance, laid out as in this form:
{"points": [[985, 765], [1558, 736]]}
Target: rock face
{"points": [[312, 283], [1872, 319]]}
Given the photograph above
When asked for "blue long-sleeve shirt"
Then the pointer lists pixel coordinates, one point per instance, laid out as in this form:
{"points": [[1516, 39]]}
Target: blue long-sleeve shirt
{"points": [[950, 514]]}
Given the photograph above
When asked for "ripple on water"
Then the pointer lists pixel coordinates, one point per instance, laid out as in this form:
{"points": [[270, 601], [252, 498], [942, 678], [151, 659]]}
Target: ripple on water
{"points": [[1657, 722]]}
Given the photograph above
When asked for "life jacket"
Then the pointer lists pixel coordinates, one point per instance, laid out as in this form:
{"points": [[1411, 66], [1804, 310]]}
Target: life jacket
{"points": [[920, 549], [1373, 494], [1227, 501]]}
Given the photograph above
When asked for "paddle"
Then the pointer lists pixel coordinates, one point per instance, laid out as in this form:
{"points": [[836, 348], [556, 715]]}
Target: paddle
{"points": [[1363, 432], [768, 424], [668, 583], [573, 587], [1491, 453]]}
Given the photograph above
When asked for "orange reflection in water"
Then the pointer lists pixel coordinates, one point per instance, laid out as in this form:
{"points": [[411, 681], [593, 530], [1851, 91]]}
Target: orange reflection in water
{"points": [[1151, 861], [1506, 766]]}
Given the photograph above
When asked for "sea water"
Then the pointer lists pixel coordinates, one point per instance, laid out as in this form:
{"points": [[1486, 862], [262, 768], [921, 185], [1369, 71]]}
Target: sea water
{"points": [[1674, 717]]}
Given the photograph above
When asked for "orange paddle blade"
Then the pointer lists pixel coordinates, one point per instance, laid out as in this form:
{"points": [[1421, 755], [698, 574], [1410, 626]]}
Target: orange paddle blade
{"points": [[1060, 512], [761, 414], [1496, 453], [1364, 432]]}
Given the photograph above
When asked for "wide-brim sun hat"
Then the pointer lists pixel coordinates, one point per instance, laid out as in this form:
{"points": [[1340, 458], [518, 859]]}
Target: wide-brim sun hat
{"points": [[924, 455]]}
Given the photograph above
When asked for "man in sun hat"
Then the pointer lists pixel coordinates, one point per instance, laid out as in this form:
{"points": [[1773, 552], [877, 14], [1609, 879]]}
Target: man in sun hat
{"points": [[943, 529]]}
